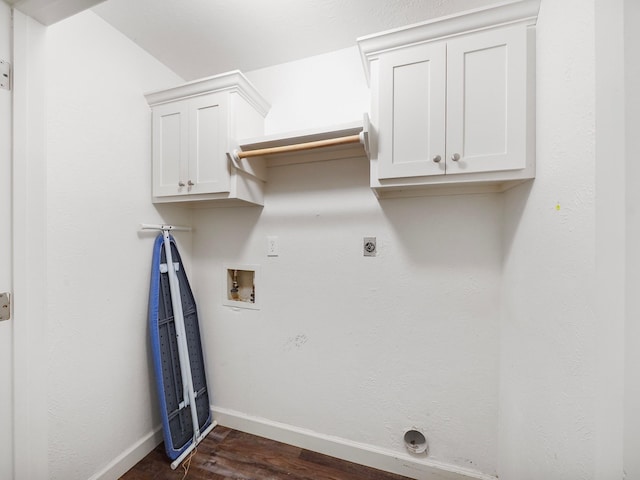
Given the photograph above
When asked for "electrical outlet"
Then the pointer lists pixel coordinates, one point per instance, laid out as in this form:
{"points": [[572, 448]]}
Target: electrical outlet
{"points": [[369, 247], [272, 246]]}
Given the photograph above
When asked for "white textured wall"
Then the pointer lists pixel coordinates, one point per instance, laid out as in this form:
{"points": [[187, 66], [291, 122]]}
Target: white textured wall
{"points": [[610, 213], [314, 92], [632, 326], [100, 392], [477, 321], [548, 330], [347, 346]]}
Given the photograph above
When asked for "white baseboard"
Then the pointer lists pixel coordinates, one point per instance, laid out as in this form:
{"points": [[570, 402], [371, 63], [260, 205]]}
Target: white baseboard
{"points": [[382, 459], [127, 459]]}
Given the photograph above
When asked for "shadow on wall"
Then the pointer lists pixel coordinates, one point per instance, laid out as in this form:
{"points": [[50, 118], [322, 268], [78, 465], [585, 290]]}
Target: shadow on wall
{"points": [[450, 231], [227, 230], [330, 203], [324, 177], [515, 202], [329, 193]]}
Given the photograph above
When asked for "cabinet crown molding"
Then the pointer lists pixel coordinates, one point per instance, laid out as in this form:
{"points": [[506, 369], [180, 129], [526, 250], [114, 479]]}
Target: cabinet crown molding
{"points": [[233, 81], [519, 11]]}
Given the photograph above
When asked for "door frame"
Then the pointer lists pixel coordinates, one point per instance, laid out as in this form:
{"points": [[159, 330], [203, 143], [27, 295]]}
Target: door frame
{"points": [[29, 225]]}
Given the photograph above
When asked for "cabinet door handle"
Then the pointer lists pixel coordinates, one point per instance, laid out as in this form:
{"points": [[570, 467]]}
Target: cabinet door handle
{"points": [[437, 159], [181, 184], [455, 157], [190, 183]]}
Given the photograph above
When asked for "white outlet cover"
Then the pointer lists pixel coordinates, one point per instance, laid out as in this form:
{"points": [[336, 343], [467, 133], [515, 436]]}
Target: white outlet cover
{"points": [[272, 246]]}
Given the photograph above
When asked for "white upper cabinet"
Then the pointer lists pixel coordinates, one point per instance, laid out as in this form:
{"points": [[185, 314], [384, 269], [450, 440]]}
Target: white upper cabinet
{"points": [[194, 126], [453, 107], [189, 146]]}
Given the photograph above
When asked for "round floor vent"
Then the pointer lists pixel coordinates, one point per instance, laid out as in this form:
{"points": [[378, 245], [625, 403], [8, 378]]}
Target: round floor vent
{"points": [[415, 441]]}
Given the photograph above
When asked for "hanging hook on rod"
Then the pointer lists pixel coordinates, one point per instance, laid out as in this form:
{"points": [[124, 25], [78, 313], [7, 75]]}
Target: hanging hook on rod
{"points": [[164, 228]]}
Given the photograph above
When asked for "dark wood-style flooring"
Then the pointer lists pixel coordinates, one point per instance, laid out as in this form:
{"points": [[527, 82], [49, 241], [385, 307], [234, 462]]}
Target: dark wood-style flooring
{"points": [[229, 454]]}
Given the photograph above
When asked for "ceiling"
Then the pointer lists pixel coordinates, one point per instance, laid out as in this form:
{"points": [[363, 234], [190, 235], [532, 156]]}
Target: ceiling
{"points": [[199, 38], [49, 12]]}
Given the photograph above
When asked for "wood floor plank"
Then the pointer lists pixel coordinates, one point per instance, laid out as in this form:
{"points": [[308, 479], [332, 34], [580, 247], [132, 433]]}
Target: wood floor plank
{"points": [[233, 455], [357, 471]]}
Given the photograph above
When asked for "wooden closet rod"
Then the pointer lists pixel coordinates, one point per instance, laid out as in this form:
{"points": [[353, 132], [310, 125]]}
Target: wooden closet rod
{"points": [[297, 147]]}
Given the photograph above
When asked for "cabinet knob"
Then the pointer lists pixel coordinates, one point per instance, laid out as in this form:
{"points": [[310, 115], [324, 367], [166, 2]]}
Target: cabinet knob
{"points": [[181, 184], [437, 159], [190, 183], [455, 157]]}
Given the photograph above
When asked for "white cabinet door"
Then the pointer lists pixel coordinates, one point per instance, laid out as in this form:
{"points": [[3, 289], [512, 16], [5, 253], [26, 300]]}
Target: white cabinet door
{"points": [[170, 149], [209, 169], [412, 95], [486, 101]]}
